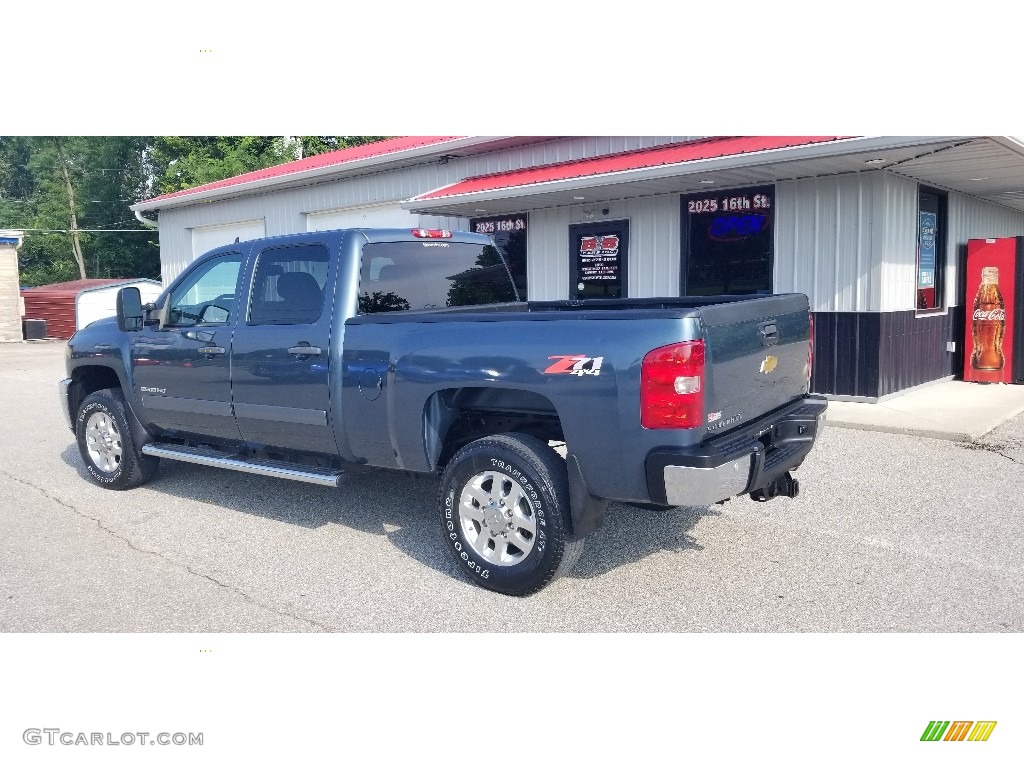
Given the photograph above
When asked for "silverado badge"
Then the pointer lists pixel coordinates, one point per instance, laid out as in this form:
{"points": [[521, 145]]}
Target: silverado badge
{"points": [[769, 363]]}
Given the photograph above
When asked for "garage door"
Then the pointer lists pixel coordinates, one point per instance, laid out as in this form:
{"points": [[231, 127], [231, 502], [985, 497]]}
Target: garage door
{"points": [[388, 215], [207, 238]]}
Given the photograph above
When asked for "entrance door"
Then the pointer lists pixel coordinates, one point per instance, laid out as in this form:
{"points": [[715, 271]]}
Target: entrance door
{"points": [[598, 259], [182, 370], [281, 352]]}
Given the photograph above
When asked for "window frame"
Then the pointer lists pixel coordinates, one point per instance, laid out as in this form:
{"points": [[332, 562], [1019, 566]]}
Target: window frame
{"points": [[685, 226], [620, 227], [198, 271], [284, 247], [941, 252]]}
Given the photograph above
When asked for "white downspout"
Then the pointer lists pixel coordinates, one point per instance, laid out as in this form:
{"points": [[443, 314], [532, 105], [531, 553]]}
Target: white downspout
{"points": [[146, 222]]}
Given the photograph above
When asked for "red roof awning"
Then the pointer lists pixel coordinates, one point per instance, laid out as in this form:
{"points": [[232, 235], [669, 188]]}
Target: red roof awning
{"points": [[671, 154], [327, 159]]}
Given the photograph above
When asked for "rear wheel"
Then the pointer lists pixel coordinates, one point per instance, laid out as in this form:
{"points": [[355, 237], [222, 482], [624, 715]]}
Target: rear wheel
{"points": [[505, 513], [106, 445]]}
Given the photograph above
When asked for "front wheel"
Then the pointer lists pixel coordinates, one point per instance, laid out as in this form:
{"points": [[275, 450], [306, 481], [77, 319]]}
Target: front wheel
{"points": [[505, 513], [106, 445]]}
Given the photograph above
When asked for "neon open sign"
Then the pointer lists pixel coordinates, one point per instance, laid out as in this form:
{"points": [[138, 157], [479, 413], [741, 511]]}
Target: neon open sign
{"points": [[733, 227]]}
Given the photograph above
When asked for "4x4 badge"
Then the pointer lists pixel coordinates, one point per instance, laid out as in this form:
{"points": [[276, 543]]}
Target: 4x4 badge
{"points": [[769, 363], [577, 365]]}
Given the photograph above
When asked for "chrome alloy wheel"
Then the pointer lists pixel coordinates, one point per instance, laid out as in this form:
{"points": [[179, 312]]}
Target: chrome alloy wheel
{"points": [[103, 441], [497, 518]]}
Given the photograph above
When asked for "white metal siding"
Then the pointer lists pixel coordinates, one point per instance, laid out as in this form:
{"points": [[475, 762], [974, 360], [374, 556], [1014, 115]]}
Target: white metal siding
{"points": [[387, 215], [850, 242], [547, 248], [898, 249], [825, 241], [972, 218], [653, 257], [286, 211]]}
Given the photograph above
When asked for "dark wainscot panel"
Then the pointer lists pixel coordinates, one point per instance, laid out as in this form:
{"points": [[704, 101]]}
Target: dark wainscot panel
{"points": [[873, 354]]}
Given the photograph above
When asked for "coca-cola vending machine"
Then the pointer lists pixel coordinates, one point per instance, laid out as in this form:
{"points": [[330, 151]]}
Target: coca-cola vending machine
{"points": [[994, 343]]}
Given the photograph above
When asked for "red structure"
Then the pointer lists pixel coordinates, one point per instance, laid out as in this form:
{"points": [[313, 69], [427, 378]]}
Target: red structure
{"points": [[56, 304]]}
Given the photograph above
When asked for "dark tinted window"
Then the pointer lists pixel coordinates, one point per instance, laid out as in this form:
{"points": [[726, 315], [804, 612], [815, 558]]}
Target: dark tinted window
{"points": [[727, 242], [509, 234], [431, 274], [288, 288], [931, 247]]}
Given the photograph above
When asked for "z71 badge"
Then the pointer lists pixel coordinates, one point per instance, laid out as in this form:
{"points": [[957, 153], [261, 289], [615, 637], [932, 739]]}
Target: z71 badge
{"points": [[577, 365]]}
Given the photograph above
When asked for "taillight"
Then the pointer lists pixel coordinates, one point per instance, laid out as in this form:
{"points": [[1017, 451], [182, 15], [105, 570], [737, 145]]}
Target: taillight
{"points": [[810, 351], [431, 233], [672, 386]]}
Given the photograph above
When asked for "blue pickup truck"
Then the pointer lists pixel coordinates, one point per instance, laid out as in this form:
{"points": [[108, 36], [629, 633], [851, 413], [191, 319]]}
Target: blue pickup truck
{"points": [[314, 355]]}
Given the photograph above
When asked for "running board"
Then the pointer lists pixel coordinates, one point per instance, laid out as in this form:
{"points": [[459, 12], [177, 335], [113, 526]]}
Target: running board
{"points": [[221, 460]]}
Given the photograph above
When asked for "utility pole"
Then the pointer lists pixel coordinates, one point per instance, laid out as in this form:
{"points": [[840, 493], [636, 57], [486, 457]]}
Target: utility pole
{"points": [[75, 243]]}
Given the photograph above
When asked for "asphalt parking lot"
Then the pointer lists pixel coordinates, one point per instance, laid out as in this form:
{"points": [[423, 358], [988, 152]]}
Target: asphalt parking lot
{"points": [[890, 533]]}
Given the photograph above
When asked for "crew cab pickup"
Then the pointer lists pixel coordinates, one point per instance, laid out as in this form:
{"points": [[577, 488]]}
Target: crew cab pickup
{"points": [[314, 355]]}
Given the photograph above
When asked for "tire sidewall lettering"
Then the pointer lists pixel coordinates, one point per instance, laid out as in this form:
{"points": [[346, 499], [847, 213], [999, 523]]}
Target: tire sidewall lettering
{"points": [[84, 413], [464, 553]]}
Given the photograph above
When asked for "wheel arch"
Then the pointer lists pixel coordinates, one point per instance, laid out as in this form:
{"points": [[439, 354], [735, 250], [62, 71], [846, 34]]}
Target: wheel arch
{"points": [[457, 416], [453, 418], [86, 379]]}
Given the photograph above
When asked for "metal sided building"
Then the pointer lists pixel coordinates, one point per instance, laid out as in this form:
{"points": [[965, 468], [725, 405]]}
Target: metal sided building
{"points": [[873, 229]]}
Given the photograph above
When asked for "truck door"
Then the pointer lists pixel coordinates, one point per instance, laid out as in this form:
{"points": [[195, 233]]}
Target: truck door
{"points": [[281, 352], [181, 370]]}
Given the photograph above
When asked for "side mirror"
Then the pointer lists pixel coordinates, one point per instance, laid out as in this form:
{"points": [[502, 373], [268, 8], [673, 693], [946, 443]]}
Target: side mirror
{"points": [[129, 309]]}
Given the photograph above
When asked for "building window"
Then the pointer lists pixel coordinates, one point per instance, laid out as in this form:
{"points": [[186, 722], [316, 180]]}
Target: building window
{"points": [[727, 242], [931, 247], [509, 233], [598, 259]]}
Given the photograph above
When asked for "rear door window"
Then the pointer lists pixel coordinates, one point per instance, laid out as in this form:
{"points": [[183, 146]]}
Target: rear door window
{"points": [[288, 285], [431, 274]]}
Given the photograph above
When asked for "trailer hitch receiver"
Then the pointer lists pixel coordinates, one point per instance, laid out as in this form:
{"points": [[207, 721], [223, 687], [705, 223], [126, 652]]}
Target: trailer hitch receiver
{"points": [[784, 485]]}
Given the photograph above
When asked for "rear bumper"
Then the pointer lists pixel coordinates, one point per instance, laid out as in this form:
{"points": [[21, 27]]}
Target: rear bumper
{"points": [[65, 404], [739, 462]]}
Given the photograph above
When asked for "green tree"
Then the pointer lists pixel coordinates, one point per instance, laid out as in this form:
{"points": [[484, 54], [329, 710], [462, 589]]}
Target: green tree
{"points": [[182, 162], [58, 188], [317, 145], [66, 188]]}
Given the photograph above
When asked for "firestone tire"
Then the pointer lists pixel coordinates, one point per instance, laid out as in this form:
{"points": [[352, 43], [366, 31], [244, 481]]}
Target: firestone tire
{"points": [[505, 515], [106, 445]]}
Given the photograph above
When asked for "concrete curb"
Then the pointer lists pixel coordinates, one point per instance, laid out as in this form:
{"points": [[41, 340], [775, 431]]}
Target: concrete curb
{"points": [[954, 411], [935, 434]]}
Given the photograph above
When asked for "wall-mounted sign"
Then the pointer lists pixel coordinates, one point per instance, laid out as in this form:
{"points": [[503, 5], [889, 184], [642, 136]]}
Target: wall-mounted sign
{"points": [[598, 259], [758, 202], [926, 255], [499, 224]]}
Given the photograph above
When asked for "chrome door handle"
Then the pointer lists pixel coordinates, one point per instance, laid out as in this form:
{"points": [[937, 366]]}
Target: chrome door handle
{"points": [[304, 350]]}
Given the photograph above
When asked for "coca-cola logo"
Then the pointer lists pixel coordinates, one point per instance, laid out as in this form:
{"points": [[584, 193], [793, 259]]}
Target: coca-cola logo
{"points": [[990, 314]]}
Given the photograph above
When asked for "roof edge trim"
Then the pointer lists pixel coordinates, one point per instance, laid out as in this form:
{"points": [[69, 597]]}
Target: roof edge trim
{"points": [[809, 151], [426, 150]]}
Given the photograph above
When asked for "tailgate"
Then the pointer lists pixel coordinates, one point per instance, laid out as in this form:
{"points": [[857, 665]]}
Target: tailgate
{"points": [[756, 357]]}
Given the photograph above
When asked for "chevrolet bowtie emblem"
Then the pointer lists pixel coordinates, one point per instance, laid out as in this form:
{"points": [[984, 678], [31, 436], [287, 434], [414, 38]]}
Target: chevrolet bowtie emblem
{"points": [[769, 363]]}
